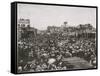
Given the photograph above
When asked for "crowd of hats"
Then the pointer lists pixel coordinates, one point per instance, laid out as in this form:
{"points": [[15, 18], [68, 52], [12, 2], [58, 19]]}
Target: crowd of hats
{"points": [[50, 52]]}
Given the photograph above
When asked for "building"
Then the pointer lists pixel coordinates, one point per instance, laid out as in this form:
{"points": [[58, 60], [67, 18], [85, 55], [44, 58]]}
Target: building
{"points": [[53, 29], [86, 31], [24, 30], [23, 22]]}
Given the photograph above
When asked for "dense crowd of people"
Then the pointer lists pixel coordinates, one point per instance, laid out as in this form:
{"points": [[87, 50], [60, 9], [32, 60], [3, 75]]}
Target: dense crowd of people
{"points": [[49, 51]]}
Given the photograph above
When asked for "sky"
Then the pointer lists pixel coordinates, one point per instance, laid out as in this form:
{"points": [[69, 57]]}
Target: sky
{"points": [[42, 16]]}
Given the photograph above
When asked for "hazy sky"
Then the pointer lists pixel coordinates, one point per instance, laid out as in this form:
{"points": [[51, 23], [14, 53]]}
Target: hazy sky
{"points": [[42, 16]]}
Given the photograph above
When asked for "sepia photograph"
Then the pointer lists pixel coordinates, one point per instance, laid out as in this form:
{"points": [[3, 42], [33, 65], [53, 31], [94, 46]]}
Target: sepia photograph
{"points": [[56, 37]]}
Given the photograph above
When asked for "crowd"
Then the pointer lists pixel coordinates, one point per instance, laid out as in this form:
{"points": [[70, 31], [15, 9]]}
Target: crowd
{"points": [[48, 52]]}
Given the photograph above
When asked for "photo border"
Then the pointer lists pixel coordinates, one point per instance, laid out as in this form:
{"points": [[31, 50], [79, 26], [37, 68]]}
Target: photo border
{"points": [[14, 37]]}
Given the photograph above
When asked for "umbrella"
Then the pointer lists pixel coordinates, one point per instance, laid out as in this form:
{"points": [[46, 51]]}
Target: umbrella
{"points": [[51, 60]]}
